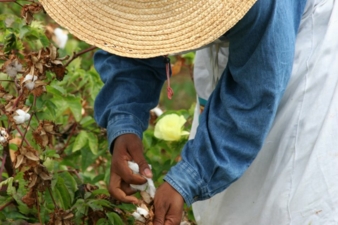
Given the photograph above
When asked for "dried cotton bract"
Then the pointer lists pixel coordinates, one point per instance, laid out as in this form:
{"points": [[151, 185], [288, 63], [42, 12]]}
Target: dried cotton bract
{"points": [[169, 128]]}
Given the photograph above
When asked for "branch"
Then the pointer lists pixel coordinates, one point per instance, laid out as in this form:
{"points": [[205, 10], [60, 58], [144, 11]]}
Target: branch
{"points": [[75, 55]]}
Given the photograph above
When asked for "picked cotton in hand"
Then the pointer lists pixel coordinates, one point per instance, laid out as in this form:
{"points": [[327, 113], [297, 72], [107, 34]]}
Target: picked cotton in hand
{"points": [[149, 186]]}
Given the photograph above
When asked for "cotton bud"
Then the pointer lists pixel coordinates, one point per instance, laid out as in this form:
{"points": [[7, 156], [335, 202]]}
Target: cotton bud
{"points": [[13, 68], [29, 81], [21, 116], [3, 136]]}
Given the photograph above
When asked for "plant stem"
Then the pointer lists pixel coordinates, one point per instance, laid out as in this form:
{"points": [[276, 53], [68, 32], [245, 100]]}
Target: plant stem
{"points": [[23, 137], [29, 121], [75, 55]]}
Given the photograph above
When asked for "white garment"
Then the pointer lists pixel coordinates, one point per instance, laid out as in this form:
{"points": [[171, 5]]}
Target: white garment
{"points": [[294, 179]]}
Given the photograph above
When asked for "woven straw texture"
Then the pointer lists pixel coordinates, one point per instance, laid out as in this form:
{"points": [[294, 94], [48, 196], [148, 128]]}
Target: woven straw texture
{"points": [[147, 28]]}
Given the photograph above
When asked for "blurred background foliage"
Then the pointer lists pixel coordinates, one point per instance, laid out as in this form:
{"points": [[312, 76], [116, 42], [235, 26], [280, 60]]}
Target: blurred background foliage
{"points": [[54, 168]]}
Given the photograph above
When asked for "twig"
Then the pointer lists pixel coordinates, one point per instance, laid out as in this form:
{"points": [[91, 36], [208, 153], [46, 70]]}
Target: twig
{"points": [[75, 55], [23, 137], [7, 80]]}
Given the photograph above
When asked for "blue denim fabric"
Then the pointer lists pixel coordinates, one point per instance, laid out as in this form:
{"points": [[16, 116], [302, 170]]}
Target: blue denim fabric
{"points": [[238, 114]]}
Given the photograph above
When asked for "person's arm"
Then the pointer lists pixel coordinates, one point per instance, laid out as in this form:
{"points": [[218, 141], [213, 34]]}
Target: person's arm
{"points": [[131, 89], [241, 109]]}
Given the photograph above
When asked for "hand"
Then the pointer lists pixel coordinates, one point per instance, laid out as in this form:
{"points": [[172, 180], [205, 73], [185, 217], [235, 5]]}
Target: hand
{"points": [[127, 147], [168, 205]]}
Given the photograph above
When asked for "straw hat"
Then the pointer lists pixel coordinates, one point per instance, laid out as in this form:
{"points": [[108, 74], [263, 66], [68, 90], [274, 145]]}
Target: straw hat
{"points": [[147, 28]]}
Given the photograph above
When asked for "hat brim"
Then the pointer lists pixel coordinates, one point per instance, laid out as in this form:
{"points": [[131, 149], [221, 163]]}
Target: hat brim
{"points": [[147, 28]]}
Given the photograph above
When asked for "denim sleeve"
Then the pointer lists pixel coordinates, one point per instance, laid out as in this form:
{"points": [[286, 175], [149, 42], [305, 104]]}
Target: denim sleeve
{"points": [[240, 111], [131, 89]]}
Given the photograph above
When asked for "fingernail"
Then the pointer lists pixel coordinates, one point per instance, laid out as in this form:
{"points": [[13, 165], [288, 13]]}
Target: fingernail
{"points": [[147, 172]]}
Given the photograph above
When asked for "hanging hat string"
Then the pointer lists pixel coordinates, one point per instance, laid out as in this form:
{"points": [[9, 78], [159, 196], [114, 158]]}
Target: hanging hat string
{"points": [[170, 91]]}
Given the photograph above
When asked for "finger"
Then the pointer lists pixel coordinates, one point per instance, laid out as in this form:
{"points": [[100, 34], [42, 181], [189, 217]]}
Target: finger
{"points": [[119, 190], [127, 189], [138, 157], [159, 217], [121, 168], [119, 195]]}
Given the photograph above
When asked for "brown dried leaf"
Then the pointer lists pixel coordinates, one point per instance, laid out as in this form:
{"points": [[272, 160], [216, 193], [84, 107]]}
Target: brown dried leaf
{"points": [[30, 198], [45, 176], [38, 91], [34, 178], [32, 156], [19, 161], [69, 216]]}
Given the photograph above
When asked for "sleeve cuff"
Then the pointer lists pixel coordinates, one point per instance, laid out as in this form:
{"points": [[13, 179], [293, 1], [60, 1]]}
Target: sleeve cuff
{"points": [[185, 180], [123, 124]]}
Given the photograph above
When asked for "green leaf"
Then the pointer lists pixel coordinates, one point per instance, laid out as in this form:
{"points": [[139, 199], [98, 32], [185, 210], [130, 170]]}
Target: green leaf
{"points": [[51, 153], [114, 218], [87, 121], [74, 104], [2, 216], [44, 40], [70, 184], [87, 158], [102, 221], [93, 143], [98, 204], [100, 192], [15, 215], [80, 141], [61, 193], [13, 147]]}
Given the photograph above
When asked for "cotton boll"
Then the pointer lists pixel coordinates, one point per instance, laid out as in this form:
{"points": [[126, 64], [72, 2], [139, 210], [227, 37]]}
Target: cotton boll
{"points": [[13, 68], [133, 166], [151, 188], [138, 217], [61, 37], [139, 187], [29, 81], [142, 212], [21, 116]]}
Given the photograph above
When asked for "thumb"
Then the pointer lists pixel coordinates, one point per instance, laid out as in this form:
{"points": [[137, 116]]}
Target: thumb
{"points": [[144, 168]]}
